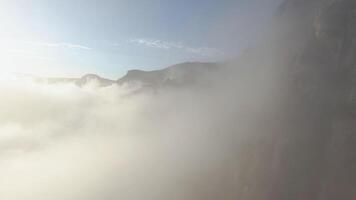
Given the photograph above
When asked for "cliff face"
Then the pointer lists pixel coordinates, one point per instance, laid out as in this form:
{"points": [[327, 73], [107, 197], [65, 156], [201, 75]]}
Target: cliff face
{"points": [[310, 151]]}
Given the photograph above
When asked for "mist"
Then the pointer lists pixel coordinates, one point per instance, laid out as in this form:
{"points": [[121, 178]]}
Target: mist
{"points": [[64, 142], [60, 141], [275, 121]]}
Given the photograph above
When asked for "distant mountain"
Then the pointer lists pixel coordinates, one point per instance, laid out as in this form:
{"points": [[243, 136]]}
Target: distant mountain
{"points": [[102, 82], [178, 75], [88, 78]]}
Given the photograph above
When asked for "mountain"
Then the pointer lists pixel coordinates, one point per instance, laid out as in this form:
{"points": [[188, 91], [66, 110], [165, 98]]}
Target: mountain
{"points": [[307, 150], [179, 75], [102, 82], [88, 78]]}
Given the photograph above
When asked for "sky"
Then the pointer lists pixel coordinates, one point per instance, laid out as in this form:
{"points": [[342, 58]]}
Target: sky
{"points": [[109, 37]]}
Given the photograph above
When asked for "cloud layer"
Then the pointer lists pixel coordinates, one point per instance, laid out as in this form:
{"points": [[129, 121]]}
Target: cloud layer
{"points": [[63, 142]]}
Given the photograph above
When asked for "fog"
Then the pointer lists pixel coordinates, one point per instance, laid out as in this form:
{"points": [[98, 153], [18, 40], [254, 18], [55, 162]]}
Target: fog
{"points": [[275, 122], [60, 141], [64, 142]]}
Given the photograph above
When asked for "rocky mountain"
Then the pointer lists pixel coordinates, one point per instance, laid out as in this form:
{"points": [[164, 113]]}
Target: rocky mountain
{"points": [[308, 149]]}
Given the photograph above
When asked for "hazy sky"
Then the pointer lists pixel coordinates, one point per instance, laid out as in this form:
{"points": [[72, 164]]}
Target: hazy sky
{"points": [[108, 37]]}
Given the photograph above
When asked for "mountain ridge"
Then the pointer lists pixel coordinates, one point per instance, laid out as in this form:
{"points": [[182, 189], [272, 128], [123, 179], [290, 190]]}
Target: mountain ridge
{"points": [[185, 73]]}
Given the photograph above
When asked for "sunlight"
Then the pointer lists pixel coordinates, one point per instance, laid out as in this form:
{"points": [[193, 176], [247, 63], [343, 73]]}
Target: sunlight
{"points": [[17, 55]]}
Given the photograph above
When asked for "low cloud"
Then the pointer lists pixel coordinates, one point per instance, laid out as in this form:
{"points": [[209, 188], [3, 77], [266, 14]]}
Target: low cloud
{"points": [[64, 142]]}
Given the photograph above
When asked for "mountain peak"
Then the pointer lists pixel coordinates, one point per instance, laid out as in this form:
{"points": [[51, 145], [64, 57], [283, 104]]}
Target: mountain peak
{"points": [[90, 76], [179, 74]]}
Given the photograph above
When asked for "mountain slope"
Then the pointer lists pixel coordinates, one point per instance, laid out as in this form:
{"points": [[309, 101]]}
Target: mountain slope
{"points": [[309, 151], [176, 75]]}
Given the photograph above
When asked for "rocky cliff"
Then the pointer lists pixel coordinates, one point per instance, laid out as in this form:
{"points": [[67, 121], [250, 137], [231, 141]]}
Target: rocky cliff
{"points": [[309, 151]]}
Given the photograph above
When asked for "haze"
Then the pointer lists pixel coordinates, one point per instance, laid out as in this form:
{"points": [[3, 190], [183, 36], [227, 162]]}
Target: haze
{"points": [[177, 100]]}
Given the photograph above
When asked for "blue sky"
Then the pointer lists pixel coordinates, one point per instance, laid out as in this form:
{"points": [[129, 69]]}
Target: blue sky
{"points": [[109, 37]]}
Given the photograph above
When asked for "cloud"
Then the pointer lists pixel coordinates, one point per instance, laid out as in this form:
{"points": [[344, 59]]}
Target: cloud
{"points": [[64, 142], [157, 43], [63, 45], [160, 44]]}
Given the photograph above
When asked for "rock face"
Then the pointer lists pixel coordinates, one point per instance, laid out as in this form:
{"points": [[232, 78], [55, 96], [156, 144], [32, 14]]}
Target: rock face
{"points": [[309, 152]]}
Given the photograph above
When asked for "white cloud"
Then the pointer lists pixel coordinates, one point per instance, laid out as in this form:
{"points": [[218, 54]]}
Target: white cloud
{"points": [[157, 43], [63, 45], [63, 142], [160, 44]]}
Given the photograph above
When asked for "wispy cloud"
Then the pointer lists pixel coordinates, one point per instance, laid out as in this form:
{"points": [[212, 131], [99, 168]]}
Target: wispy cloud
{"points": [[157, 43], [160, 44], [63, 45]]}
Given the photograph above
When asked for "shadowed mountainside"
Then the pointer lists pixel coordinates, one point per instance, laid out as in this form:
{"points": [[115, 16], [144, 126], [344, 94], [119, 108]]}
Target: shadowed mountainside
{"points": [[308, 151]]}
